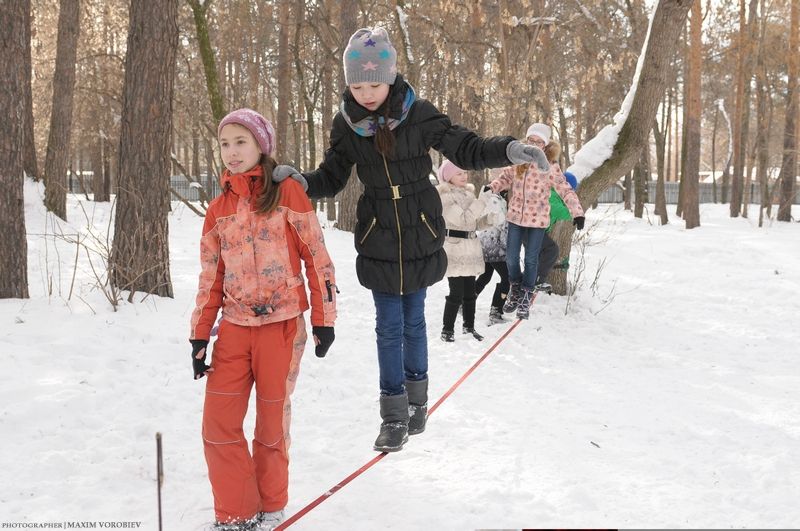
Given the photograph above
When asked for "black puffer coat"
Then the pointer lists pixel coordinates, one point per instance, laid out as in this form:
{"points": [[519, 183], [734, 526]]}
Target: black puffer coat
{"points": [[399, 241]]}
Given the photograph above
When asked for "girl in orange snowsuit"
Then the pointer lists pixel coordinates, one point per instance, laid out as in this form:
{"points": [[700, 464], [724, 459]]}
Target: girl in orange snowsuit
{"points": [[256, 234]]}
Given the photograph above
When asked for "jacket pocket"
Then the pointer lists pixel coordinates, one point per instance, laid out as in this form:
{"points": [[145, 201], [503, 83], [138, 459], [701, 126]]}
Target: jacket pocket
{"points": [[427, 224], [369, 230]]}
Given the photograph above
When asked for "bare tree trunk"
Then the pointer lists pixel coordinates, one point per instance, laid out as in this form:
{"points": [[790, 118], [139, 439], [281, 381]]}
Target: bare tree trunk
{"points": [[563, 135], [284, 83], [742, 117], [140, 251], [726, 171], [195, 147], [641, 174], [668, 20], [789, 161], [348, 198], [661, 198], [327, 122], [752, 30], [627, 193], [714, 155], [305, 90], [199, 11], [29, 145], [668, 130], [684, 128], [99, 189], [58, 143], [691, 198], [762, 127], [13, 242]]}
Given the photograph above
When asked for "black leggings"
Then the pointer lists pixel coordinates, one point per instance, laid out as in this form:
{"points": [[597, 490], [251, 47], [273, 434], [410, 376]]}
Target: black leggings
{"points": [[502, 287], [462, 293]]}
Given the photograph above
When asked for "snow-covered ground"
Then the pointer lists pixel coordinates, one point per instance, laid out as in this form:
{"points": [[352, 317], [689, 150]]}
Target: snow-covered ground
{"points": [[663, 398]]}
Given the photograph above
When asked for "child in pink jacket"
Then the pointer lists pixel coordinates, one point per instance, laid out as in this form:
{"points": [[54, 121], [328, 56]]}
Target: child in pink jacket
{"points": [[529, 217]]}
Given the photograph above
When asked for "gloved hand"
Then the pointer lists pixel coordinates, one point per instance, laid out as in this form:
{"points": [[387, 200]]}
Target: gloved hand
{"points": [[199, 358], [283, 171], [323, 338], [578, 222], [520, 153]]}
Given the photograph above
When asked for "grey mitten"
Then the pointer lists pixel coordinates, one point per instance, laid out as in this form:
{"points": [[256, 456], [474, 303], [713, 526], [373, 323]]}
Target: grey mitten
{"points": [[520, 153], [283, 171]]}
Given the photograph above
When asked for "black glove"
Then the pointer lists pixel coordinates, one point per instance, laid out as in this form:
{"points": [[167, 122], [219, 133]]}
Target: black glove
{"points": [[578, 222], [323, 338], [199, 358]]}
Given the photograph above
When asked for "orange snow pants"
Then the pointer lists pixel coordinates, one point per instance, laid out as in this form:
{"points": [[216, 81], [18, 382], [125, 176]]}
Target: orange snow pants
{"points": [[268, 356]]}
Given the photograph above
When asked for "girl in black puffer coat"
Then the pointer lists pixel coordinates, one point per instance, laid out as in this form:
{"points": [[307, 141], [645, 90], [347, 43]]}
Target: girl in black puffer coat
{"points": [[387, 132]]}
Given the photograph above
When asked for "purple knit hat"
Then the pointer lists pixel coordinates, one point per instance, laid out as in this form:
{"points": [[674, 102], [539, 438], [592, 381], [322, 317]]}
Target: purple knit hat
{"points": [[259, 126]]}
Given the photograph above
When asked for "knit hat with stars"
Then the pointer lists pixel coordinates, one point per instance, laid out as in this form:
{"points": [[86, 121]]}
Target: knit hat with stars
{"points": [[370, 57]]}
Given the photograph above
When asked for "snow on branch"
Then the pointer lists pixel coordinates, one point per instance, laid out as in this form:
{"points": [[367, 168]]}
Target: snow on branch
{"points": [[403, 17], [533, 21]]}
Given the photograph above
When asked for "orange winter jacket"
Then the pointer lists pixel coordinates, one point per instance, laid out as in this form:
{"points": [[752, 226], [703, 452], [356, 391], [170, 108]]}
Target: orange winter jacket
{"points": [[250, 262]]}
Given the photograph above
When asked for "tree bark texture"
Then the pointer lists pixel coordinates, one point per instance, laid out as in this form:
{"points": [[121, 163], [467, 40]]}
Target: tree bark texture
{"points": [[14, 258], [58, 143], [140, 251], [790, 144]]}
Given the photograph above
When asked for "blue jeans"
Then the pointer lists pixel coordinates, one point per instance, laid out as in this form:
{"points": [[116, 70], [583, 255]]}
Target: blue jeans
{"points": [[531, 238], [402, 339]]}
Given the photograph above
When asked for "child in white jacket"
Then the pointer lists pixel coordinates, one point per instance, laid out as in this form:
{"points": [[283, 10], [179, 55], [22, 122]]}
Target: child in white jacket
{"points": [[464, 214]]}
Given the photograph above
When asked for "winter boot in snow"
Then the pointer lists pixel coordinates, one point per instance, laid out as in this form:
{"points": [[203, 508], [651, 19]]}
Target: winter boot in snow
{"points": [[417, 405], [448, 336], [545, 287], [514, 296], [469, 330], [394, 428], [524, 308], [245, 525], [496, 316], [269, 521]]}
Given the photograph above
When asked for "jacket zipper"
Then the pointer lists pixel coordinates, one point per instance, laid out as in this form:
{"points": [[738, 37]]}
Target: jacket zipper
{"points": [[369, 229], [328, 286], [399, 229], [425, 221]]}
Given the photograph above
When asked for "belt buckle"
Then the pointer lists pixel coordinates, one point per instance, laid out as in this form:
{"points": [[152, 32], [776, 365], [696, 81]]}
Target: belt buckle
{"points": [[396, 192], [262, 309]]}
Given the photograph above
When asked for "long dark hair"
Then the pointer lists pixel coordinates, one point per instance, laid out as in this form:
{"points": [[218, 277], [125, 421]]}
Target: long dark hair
{"points": [[268, 199], [384, 137]]}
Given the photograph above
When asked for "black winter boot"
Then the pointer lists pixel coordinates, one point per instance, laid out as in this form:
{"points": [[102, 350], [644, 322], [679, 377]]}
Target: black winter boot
{"points": [[469, 330], [514, 296], [417, 405], [523, 310], [496, 316], [394, 428]]}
